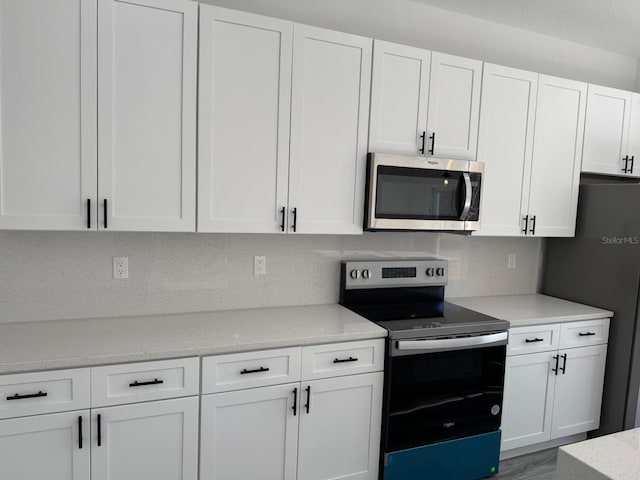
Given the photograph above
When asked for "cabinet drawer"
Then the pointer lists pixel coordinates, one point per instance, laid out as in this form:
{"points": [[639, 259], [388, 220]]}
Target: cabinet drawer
{"points": [[236, 371], [588, 332], [44, 392], [141, 382], [323, 361], [539, 338]]}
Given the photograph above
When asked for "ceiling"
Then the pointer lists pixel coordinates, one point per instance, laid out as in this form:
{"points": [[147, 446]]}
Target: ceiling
{"points": [[612, 25]]}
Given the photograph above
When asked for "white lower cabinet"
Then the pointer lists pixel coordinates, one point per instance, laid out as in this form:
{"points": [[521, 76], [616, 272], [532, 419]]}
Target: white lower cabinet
{"points": [[51, 447], [553, 394], [155, 440]]}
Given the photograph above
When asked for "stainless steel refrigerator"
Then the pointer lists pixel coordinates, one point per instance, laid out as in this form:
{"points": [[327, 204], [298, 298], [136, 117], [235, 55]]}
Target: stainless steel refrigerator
{"points": [[601, 267]]}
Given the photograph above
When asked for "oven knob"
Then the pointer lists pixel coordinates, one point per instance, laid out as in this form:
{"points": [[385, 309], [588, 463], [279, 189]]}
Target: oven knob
{"points": [[355, 274], [495, 410], [430, 271], [440, 272], [366, 274]]}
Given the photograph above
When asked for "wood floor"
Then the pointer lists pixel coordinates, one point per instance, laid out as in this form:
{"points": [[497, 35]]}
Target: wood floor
{"points": [[535, 466]]}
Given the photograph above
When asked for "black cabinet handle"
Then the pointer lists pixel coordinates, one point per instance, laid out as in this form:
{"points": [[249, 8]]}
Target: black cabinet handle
{"points": [[626, 164], [80, 431], [88, 213], [564, 363], [557, 359], [631, 160], [295, 219], [588, 334], [155, 381], [17, 396], [295, 401], [283, 212], [526, 224], [257, 370], [308, 404], [433, 143], [424, 139], [99, 430], [534, 340], [345, 360], [533, 225], [105, 213]]}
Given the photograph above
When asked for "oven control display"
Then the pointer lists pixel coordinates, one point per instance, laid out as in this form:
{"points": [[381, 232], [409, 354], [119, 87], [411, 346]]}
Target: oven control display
{"points": [[399, 272]]}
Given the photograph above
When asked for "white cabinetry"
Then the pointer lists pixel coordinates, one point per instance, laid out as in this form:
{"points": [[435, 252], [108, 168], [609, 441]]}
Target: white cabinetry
{"points": [[283, 115], [558, 392], [424, 102], [531, 131], [611, 132]]}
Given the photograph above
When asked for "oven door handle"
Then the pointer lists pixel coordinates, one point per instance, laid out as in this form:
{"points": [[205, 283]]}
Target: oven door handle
{"points": [[440, 344], [467, 196]]}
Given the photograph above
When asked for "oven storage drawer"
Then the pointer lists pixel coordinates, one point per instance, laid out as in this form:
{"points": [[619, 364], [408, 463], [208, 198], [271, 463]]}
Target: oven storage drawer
{"points": [[237, 371], [350, 358], [582, 334], [143, 382], [534, 339], [44, 392]]}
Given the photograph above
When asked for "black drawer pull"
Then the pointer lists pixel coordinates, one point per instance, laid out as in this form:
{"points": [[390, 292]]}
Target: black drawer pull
{"points": [[257, 370], [308, 404], [295, 401], [99, 419], [345, 360], [80, 431], [155, 381], [17, 396], [588, 334], [534, 340]]}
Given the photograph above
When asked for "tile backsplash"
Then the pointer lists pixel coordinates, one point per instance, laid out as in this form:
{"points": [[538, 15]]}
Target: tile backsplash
{"points": [[53, 275]]}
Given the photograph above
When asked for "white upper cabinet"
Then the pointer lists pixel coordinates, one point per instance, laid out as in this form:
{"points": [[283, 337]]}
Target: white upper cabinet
{"points": [[244, 109], [633, 150], [606, 135], [454, 106], [147, 114], [329, 111], [557, 154], [505, 145], [48, 124], [424, 103], [399, 98]]}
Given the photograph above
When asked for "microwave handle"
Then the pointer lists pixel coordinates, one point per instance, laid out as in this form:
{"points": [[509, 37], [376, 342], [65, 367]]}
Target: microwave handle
{"points": [[467, 196]]}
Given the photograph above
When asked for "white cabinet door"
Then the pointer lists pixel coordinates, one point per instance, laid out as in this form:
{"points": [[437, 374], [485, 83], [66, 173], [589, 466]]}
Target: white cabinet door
{"points": [[250, 434], [157, 440], [329, 114], [399, 97], [48, 90], [147, 114], [557, 156], [633, 150], [528, 399], [505, 145], [46, 447], [578, 395], [454, 106], [606, 130], [244, 110], [340, 429]]}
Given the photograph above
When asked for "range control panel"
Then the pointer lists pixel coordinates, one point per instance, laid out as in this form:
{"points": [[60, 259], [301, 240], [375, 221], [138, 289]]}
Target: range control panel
{"points": [[394, 273]]}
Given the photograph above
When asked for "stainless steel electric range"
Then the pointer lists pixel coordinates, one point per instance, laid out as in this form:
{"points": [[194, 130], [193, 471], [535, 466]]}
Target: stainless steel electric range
{"points": [[444, 371]]}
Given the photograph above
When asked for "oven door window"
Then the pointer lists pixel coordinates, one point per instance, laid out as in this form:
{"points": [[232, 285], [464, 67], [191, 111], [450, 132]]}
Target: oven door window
{"points": [[445, 395], [419, 194]]}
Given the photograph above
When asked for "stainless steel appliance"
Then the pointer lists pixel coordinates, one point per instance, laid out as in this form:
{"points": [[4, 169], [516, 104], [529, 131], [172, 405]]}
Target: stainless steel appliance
{"points": [[444, 371], [601, 267], [422, 193]]}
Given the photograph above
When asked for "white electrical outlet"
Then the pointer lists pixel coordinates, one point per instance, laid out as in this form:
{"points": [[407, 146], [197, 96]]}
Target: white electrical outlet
{"points": [[259, 265], [511, 260], [120, 267]]}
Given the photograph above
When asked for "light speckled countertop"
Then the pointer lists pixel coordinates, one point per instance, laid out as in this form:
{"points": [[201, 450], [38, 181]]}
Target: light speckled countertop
{"points": [[612, 457], [535, 309], [56, 344]]}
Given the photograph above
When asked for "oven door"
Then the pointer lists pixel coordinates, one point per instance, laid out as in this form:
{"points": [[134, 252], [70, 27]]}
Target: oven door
{"points": [[418, 193], [433, 396]]}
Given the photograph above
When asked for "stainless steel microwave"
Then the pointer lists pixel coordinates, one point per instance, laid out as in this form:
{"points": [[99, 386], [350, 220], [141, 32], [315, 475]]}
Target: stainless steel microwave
{"points": [[422, 193]]}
